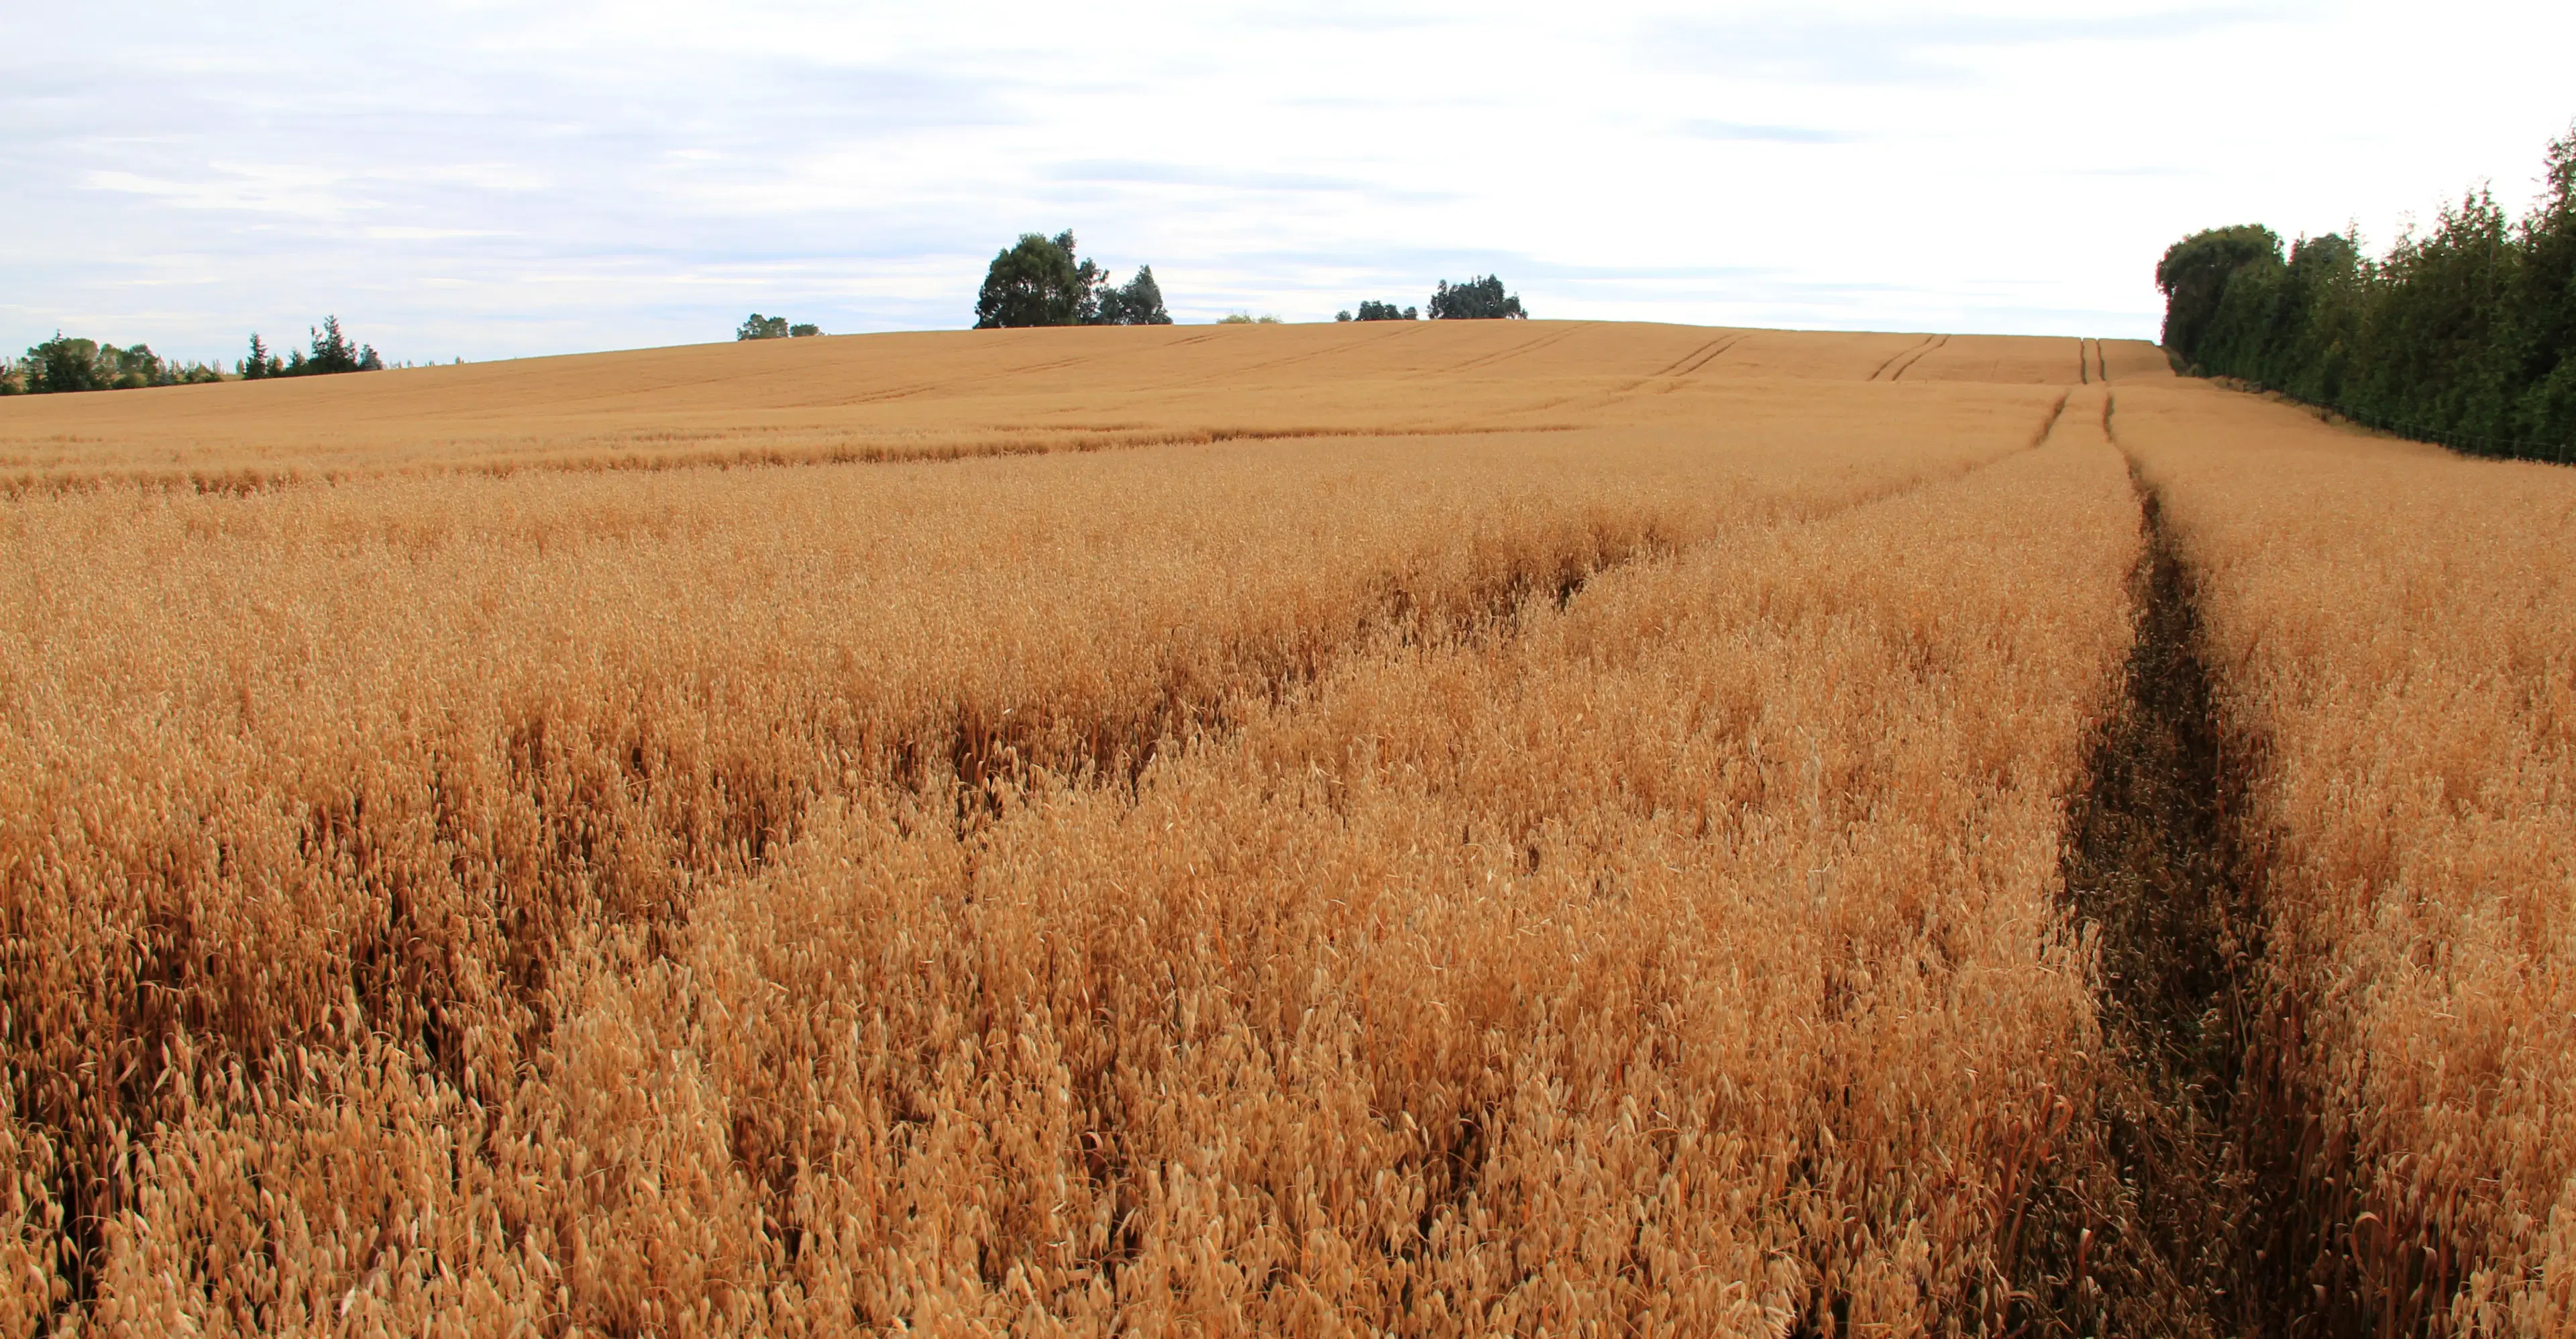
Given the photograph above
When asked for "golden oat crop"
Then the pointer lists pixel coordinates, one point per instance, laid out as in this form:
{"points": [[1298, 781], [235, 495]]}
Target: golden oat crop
{"points": [[1534, 827]]}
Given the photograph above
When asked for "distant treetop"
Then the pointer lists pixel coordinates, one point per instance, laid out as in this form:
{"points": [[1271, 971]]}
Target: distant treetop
{"points": [[1380, 311], [332, 352], [1038, 280], [757, 326], [65, 364], [1479, 299], [1137, 302]]}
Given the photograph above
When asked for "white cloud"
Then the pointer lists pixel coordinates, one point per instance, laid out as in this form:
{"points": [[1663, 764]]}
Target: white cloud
{"points": [[489, 178]]}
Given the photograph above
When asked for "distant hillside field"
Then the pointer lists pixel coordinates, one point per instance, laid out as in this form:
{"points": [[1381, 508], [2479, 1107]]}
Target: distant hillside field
{"points": [[1449, 828], [991, 392]]}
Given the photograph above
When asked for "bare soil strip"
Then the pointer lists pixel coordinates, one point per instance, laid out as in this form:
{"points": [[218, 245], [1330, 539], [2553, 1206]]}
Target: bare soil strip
{"points": [[2214, 1225], [2150, 869]]}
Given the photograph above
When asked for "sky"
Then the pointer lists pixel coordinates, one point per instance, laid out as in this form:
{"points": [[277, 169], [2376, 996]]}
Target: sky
{"points": [[487, 180]]}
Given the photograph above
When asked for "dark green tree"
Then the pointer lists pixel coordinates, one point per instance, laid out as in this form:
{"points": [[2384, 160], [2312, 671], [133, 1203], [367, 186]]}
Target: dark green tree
{"points": [[331, 351], [2316, 330], [62, 364], [1373, 310], [1040, 280], [802, 331], [134, 368], [757, 326], [1479, 299], [334, 353], [2194, 275], [2441, 324], [1139, 301], [2544, 319], [1037, 281]]}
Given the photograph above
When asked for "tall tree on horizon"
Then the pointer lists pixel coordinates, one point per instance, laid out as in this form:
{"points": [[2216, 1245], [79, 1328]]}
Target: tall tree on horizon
{"points": [[1478, 299], [1139, 301], [2194, 274], [1037, 281]]}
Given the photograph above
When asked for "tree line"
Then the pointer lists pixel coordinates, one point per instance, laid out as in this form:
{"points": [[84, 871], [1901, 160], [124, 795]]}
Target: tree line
{"points": [[758, 326], [332, 353], [65, 364], [1041, 280], [2464, 335], [1479, 299]]}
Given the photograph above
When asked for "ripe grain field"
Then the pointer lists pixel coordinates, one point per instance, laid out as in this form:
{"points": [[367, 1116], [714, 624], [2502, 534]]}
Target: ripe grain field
{"points": [[1459, 828]]}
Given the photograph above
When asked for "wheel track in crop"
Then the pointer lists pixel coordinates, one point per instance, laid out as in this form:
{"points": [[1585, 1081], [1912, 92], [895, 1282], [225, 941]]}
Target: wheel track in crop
{"points": [[1396, 330], [2091, 364], [1881, 369], [1672, 377], [1528, 346], [1937, 342], [2208, 1210], [1693, 359], [1663, 380], [2150, 867]]}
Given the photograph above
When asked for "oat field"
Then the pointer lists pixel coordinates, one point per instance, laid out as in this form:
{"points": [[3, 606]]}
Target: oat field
{"points": [[1455, 828]]}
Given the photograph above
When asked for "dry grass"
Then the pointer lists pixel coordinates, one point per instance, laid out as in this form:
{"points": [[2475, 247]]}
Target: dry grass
{"points": [[1595, 880], [2394, 634]]}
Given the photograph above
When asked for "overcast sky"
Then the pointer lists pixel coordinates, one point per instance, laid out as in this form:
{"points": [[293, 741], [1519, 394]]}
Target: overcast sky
{"points": [[486, 180]]}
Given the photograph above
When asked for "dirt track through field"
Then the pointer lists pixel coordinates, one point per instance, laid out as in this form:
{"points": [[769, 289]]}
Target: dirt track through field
{"points": [[2237, 1219], [2151, 862]]}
